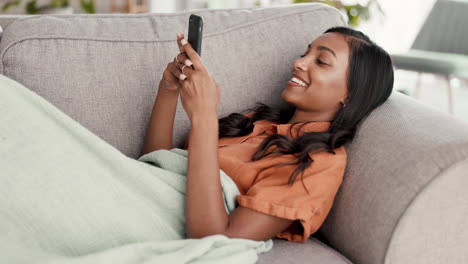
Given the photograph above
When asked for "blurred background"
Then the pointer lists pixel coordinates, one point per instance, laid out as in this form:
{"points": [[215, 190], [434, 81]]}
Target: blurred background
{"points": [[426, 38]]}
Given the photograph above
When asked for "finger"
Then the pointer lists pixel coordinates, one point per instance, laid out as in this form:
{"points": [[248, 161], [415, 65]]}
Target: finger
{"points": [[175, 70], [180, 36], [182, 57], [187, 70], [192, 55]]}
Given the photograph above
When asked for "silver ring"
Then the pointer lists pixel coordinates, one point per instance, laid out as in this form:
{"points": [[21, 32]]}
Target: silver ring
{"points": [[176, 57]]}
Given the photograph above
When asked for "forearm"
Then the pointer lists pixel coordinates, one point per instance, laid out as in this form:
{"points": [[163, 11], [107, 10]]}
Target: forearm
{"points": [[161, 125], [205, 211]]}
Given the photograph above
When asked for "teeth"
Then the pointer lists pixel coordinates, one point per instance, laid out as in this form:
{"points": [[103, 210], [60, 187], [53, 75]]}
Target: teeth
{"points": [[296, 80]]}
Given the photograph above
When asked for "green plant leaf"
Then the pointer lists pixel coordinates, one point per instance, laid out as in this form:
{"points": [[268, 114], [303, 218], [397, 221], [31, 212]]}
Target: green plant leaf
{"points": [[31, 7], [88, 6], [9, 4], [58, 3]]}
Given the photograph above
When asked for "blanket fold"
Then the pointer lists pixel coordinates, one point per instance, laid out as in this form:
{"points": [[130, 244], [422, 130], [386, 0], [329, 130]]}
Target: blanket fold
{"points": [[67, 196]]}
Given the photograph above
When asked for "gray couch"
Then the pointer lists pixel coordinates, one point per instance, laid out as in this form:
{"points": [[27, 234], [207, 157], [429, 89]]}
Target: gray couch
{"points": [[404, 197]]}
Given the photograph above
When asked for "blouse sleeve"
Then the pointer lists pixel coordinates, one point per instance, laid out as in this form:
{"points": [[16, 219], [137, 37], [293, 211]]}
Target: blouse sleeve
{"points": [[272, 195]]}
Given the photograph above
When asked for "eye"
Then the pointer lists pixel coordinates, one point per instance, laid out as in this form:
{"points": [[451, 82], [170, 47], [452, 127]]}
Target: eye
{"points": [[320, 62]]}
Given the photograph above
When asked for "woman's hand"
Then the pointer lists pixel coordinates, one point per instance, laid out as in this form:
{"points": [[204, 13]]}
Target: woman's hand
{"points": [[171, 80], [199, 92]]}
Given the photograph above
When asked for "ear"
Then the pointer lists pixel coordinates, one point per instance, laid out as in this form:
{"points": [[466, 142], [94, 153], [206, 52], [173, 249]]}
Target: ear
{"points": [[344, 100]]}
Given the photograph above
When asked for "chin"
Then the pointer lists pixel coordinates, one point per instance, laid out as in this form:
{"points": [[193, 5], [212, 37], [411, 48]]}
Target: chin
{"points": [[286, 96]]}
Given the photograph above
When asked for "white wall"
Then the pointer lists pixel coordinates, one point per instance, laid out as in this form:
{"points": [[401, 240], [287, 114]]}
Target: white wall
{"points": [[402, 22]]}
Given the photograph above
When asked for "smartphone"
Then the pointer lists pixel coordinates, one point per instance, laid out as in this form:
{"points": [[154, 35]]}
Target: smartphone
{"points": [[195, 30]]}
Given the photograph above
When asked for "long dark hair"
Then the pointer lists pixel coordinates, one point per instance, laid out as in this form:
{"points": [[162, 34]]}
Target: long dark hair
{"points": [[369, 82]]}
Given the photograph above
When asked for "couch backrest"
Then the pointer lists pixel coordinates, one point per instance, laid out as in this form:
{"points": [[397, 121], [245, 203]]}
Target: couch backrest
{"points": [[104, 70], [5, 20]]}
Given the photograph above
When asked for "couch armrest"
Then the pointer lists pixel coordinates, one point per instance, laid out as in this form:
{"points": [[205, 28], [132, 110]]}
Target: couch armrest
{"points": [[434, 227], [404, 194]]}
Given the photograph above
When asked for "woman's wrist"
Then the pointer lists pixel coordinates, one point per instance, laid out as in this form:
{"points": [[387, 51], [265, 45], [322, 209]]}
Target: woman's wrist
{"points": [[204, 119], [163, 88]]}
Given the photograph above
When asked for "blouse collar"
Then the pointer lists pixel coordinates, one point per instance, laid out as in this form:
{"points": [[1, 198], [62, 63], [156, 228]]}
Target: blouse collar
{"points": [[270, 127]]}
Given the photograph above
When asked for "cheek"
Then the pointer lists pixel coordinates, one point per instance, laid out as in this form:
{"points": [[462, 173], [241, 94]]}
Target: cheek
{"points": [[332, 83], [325, 80], [324, 92]]}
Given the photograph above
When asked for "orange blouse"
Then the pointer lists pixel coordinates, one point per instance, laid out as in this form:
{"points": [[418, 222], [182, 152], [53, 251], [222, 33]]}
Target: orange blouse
{"points": [[264, 187]]}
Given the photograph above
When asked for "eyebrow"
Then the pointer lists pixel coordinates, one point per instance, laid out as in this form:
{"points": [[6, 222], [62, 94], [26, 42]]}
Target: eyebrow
{"points": [[324, 48]]}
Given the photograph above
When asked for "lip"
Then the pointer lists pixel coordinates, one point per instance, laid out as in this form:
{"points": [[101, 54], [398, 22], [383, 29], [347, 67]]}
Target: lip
{"points": [[299, 77], [291, 83]]}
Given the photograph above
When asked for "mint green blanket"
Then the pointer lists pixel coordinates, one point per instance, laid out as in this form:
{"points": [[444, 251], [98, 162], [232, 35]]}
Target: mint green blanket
{"points": [[67, 196]]}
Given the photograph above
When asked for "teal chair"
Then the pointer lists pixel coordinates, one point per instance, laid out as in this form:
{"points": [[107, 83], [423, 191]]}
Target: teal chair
{"points": [[441, 46]]}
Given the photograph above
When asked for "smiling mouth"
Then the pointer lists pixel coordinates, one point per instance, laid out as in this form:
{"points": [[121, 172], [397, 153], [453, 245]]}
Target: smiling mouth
{"points": [[291, 83], [298, 81]]}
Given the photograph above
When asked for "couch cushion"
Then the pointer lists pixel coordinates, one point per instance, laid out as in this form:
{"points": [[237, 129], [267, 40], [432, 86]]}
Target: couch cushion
{"points": [[312, 251], [104, 70]]}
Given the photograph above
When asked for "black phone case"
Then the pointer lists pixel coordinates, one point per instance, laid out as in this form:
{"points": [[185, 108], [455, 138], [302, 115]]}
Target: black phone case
{"points": [[195, 32]]}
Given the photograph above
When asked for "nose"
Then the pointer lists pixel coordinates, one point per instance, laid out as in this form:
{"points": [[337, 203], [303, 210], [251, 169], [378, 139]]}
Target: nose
{"points": [[300, 64]]}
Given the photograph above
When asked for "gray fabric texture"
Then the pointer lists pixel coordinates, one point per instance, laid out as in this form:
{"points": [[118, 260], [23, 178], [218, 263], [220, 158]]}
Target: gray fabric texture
{"points": [[5, 20], [442, 207], [313, 251], [401, 148]]}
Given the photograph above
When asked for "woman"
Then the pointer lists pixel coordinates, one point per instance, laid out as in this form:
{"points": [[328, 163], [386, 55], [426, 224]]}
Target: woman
{"points": [[335, 84]]}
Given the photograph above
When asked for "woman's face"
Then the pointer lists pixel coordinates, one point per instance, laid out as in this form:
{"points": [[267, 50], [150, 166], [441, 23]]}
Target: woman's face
{"points": [[324, 70]]}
